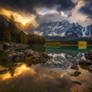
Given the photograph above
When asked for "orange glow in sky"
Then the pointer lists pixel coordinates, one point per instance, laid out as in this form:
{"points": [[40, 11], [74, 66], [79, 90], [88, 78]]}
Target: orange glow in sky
{"points": [[20, 17]]}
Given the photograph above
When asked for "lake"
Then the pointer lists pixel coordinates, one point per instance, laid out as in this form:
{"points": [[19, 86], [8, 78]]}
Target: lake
{"points": [[55, 75]]}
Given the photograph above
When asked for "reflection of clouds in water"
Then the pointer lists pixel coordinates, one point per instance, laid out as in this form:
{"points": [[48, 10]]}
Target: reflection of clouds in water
{"points": [[37, 71], [5, 76], [47, 78], [18, 71]]}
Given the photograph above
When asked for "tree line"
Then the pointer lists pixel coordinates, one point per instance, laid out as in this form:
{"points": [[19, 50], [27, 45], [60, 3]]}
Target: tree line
{"points": [[9, 32]]}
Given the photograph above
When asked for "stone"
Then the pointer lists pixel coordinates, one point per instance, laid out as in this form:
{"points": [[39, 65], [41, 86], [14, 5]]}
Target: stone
{"points": [[77, 82], [77, 73], [85, 62], [75, 67]]}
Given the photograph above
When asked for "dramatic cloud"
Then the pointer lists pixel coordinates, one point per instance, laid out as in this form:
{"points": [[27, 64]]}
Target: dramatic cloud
{"points": [[80, 13], [76, 15], [50, 17], [87, 9], [30, 5], [73, 10]]}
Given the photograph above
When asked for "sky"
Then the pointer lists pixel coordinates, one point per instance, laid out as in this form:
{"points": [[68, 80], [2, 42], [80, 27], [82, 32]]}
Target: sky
{"points": [[53, 10]]}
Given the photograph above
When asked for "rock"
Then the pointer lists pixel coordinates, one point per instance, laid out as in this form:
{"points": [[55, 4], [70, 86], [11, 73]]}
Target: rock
{"points": [[88, 61], [45, 55], [30, 56], [85, 62], [75, 67], [5, 46], [9, 57], [90, 67], [16, 56], [18, 46], [19, 59], [76, 82], [36, 54], [29, 52], [77, 73], [88, 55]]}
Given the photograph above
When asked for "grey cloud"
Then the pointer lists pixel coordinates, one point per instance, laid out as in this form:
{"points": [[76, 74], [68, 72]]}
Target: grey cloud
{"points": [[29, 5], [87, 9]]}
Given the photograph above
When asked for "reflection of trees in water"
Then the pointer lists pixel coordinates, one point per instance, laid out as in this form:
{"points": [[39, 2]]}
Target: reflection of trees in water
{"points": [[63, 58], [9, 68], [12, 68]]}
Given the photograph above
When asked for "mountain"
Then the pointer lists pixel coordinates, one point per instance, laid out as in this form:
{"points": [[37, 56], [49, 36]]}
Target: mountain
{"points": [[64, 30]]}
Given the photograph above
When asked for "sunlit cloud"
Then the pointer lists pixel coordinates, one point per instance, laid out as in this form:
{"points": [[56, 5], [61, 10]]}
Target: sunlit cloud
{"points": [[73, 15], [63, 14], [77, 16], [20, 17], [70, 11], [43, 11]]}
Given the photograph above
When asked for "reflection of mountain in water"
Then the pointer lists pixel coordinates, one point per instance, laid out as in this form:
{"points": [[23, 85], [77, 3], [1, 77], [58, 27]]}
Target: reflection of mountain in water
{"points": [[63, 58]]}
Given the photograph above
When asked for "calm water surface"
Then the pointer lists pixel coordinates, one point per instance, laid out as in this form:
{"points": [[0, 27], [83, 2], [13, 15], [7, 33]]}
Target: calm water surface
{"points": [[53, 76]]}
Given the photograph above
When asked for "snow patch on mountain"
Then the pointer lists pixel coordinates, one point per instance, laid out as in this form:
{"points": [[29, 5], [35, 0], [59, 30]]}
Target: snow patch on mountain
{"points": [[64, 29]]}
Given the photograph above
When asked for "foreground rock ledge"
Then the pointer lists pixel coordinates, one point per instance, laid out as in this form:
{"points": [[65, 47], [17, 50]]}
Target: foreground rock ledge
{"points": [[28, 56]]}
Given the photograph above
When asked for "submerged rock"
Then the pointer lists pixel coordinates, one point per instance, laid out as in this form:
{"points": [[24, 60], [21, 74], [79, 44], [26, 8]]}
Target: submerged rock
{"points": [[77, 73], [77, 82]]}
